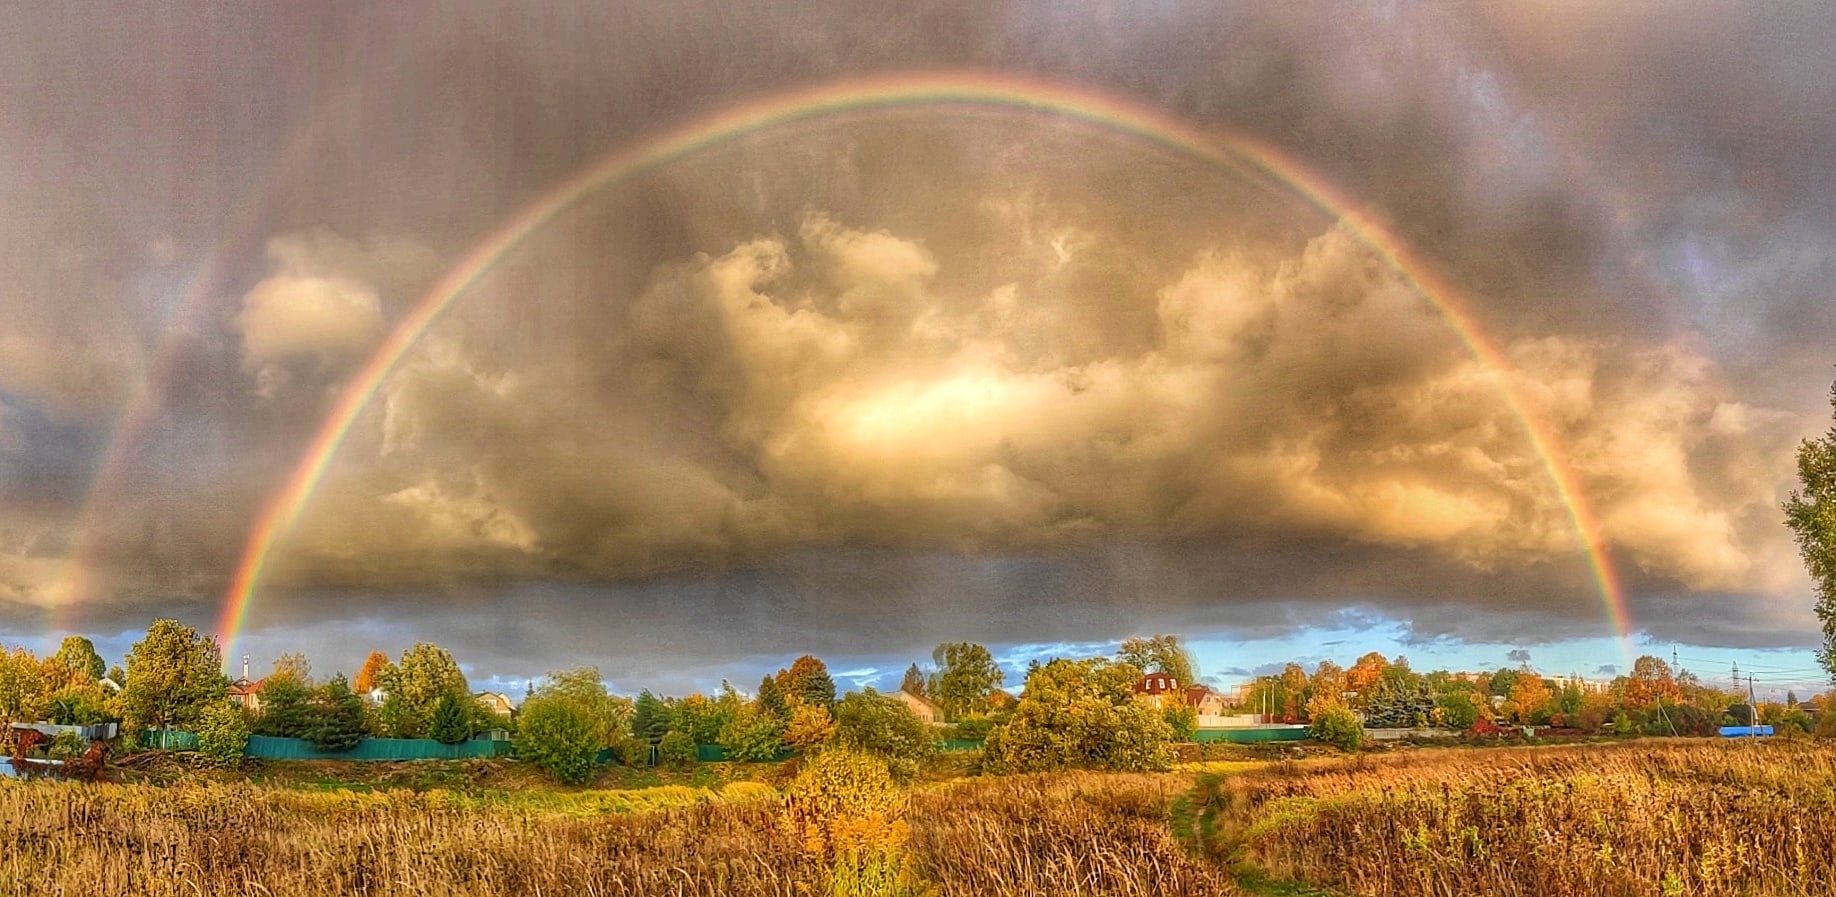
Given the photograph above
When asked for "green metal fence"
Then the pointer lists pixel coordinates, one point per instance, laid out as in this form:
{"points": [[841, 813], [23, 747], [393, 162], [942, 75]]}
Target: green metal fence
{"points": [[169, 740], [953, 745], [1253, 734], [271, 748]]}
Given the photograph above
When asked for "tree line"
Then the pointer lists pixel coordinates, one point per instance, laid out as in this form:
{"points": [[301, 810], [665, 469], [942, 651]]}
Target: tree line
{"points": [[1070, 712], [1378, 692]]}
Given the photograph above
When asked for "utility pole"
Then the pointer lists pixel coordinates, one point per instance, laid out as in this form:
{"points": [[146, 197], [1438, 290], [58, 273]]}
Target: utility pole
{"points": [[1752, 710]]}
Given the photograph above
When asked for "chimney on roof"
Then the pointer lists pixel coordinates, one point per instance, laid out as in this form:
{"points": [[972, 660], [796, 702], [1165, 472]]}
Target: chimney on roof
{"points": [[245, 666]]}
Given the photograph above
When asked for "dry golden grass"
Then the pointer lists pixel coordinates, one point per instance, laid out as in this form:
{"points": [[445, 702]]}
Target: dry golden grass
{"points": [[1705, 819], [1083, 834], [1062, 835], [1649, 819], [243, 840]]}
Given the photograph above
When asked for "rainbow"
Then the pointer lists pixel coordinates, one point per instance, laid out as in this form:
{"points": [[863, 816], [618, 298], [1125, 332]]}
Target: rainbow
{"points": [[975, 89], [240, 236]]}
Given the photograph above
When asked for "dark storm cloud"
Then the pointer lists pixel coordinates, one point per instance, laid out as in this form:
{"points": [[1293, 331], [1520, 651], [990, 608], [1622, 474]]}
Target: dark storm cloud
{"points": [[868, 384]]}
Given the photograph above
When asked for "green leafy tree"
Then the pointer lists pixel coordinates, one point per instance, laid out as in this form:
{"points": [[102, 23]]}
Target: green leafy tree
{"points": [[24, 692], [701, 718], [222, 732], [1501, 682], [650, 720], [885, 727], [1081, 713], [558, 736], [1458, 708], [338, 719], [1569, 701], [913, 683], [610, 714], [173, 674], [454, 719], [754, 735], [80, 705], [77, 657], [1161, 654], [425, 673], [1811, 514], [966, 676]]}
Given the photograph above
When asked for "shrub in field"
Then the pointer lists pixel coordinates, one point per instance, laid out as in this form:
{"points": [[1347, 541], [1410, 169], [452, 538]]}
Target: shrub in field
{"points": [[809, 726], [1334, 723], [886, 728], [556, 736], [223, 734], [1080, 713], [846, 810], [676, 748]]}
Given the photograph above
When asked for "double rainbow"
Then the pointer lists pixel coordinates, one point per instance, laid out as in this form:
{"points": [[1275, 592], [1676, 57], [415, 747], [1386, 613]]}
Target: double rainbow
{"points": [[975, 89]]}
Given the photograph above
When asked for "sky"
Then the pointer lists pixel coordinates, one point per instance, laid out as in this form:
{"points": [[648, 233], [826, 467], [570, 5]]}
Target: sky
{"points": [[862, 382]]}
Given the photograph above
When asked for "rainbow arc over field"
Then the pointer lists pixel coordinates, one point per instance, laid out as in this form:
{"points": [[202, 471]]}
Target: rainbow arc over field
{"points": [[925, 89]]}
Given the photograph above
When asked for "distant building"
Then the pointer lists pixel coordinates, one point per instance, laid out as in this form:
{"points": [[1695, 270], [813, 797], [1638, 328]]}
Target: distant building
{"points": [[1207, 702], [921, 708], [245, 691], [1002, 699], [1585, 686], [1159, 689], [496, 703]]}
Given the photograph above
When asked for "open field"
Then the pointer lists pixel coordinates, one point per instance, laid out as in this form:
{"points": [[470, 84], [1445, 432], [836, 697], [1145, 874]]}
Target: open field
{"points": [[1645, 818]]}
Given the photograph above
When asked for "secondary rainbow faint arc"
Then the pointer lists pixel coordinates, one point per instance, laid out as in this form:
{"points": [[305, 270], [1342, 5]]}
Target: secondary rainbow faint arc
{"points": [[917, 89]]}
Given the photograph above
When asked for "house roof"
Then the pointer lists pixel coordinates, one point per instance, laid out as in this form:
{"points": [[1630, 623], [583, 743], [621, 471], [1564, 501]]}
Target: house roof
{"points": [[908, 696], [1155, 683], [245, 687]]}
